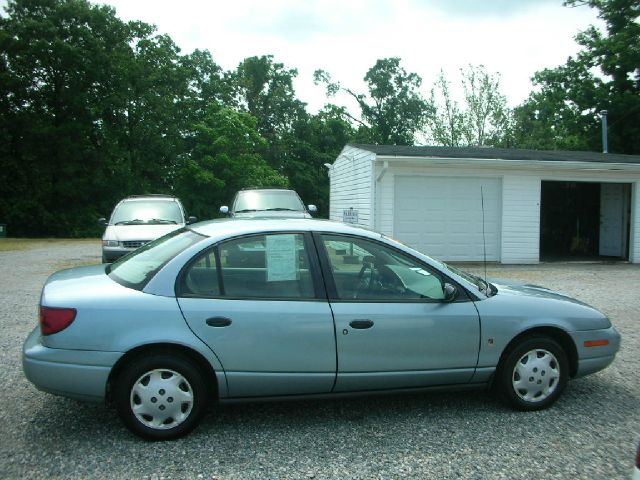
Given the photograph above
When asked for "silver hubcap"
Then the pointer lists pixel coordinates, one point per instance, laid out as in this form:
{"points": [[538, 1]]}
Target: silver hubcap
{"points": [[536, 375], [161, 399]]}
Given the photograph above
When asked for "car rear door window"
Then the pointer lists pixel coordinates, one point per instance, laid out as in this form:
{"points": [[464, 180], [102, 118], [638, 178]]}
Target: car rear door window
{"points": [[274, 266], [201, 278], [266, 266]]}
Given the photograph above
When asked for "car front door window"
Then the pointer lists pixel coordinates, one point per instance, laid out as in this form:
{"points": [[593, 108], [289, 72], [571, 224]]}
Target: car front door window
{"points": [[365, 270]]}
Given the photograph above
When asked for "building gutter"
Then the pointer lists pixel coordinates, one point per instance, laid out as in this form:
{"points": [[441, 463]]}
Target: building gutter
{"points": [[502, 163]]}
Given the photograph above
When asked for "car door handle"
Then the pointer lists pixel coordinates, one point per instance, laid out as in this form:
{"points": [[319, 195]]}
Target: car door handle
{"points": [[218, 321], [361, 324]]}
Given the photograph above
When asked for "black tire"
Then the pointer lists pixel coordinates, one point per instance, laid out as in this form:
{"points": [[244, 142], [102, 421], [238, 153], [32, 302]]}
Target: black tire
{"points": [[533, 374], [174, 402]]}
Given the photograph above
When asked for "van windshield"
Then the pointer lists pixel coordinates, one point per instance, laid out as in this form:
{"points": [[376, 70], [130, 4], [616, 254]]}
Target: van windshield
{"points": [[270, 200], [144, 212]]}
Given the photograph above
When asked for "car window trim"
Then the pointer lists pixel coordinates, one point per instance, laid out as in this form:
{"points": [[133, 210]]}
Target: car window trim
{"points": [[330, 283], [320, 294]]}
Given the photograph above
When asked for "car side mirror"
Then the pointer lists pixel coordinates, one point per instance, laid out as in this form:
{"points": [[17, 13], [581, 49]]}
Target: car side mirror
{"points": [[312, 208], [450, 292], [102, 222], [224, 210], [191, 220]]}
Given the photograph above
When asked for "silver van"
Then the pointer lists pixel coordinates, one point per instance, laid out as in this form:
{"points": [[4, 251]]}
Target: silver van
{"points": [[138, 219]]}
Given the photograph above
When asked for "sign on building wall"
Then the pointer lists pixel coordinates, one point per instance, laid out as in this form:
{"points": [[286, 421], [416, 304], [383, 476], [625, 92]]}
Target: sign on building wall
{"points": [[350, 216]]}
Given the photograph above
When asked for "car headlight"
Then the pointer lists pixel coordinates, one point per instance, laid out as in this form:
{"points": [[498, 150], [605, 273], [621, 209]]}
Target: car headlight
{"points": [[110, 243]]}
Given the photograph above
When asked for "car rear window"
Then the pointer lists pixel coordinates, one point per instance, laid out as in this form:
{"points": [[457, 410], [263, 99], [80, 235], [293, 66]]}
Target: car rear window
{"points": [[136, 269]]}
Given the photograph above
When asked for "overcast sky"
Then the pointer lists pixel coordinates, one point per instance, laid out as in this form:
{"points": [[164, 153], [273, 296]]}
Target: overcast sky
{"points": [[346, 37]]}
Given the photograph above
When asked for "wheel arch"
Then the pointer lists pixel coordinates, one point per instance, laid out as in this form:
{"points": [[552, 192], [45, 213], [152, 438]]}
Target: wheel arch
{"points": [[555, 333], [209, 373]]}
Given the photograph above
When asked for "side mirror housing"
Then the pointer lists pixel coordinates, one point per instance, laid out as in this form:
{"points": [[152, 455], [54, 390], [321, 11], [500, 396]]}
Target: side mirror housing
{"points": [[450, 292], [102, 222], [224, 210], [312, 208], [191, 220]]}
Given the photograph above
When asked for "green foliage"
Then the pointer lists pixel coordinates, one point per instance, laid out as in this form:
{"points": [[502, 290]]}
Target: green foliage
{"points": [[563, 113], [393, 111], [225, 158], [483, 119], [58, 90], [316, 140], [93, 109], [298, 144]]}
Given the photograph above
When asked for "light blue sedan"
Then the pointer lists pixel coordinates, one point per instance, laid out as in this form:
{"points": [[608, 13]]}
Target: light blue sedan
{"points": [[233, 310]]}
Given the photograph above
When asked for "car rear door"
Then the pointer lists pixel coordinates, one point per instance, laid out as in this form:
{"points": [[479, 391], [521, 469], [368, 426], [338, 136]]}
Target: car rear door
{"points": [[260, 305]]}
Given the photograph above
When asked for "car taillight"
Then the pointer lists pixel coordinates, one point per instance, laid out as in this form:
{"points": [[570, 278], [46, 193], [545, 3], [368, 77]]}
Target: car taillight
{"points": [[54, 320]]}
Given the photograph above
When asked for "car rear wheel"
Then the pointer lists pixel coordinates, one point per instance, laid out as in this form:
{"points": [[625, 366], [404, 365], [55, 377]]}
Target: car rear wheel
{"points": [[533, 374], [161, 397]]}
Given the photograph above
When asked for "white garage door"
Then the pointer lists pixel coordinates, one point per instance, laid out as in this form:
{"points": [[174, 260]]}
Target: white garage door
{"points": [[442, 216]]}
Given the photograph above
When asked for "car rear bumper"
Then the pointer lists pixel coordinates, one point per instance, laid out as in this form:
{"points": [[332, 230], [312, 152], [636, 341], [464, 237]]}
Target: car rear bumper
{"points": [[79, 374]]}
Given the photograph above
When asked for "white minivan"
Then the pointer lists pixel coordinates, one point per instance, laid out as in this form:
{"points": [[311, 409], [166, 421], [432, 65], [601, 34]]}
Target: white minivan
{"points": [[138, 219]]}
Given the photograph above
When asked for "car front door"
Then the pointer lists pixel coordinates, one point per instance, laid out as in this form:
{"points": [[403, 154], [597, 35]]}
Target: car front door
{"points": [[259, 304], [394, 328]]}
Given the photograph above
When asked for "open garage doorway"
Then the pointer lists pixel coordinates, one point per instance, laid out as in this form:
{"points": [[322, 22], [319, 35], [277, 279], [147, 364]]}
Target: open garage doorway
{"points": [[584, 221]]}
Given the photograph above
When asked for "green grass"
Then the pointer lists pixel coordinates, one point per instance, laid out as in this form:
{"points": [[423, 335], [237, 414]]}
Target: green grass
{"points": [[12, 244]]}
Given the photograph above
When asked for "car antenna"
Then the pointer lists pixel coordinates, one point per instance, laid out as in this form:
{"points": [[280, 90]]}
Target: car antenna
{"points": [[484, 242]]}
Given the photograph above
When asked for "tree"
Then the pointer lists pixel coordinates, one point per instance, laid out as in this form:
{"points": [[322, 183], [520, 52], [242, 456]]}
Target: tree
{"points": [[564, 110], [298, 144], [393, 110], [446, 125], [207, 84], [91, 109], [483, 119], [225, 158], [59, 65], [264, 89], [316, 140]]}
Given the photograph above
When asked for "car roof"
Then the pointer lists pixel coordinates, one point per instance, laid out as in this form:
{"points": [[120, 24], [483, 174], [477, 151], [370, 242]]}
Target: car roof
{"points": [[133, 198], [227, 227], [270, 189]]}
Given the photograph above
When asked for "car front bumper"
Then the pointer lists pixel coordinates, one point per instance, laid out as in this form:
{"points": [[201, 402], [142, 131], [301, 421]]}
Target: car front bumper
{"points": [[595, 358], [79, 374], [111, 254]]}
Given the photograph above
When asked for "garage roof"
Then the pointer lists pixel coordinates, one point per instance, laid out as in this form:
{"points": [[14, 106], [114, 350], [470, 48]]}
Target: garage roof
{"points": [[497, 153]]}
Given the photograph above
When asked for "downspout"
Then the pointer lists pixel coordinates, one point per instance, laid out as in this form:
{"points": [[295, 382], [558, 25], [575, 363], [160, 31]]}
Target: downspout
{"points": [[605, 140], [376, 207], [385, 166]]}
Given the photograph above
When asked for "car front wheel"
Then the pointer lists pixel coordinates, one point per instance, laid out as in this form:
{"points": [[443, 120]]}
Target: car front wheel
{"points": [[161, 397], [534, 373]]}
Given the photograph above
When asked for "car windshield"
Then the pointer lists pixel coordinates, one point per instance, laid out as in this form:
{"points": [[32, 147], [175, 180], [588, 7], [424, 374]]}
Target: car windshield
{"points": [[269, 200], [484, 286], [137, 268], [145, 212]]}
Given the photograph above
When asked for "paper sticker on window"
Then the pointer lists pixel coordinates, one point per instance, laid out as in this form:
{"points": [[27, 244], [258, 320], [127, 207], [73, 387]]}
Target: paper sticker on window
{"points": [[281, 258]]}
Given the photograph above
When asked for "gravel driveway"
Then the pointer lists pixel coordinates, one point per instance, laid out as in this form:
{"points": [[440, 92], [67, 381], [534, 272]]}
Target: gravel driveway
{"points": [[590, 433]]}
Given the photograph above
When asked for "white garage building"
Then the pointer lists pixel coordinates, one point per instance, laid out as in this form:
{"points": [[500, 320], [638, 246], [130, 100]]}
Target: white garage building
{"points": [[537, 204]]}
